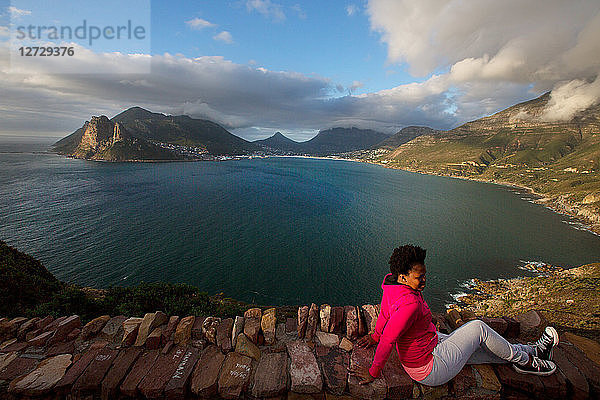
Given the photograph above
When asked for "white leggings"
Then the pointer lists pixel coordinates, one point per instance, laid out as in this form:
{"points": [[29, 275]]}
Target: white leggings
{"points": [[473, 343]]}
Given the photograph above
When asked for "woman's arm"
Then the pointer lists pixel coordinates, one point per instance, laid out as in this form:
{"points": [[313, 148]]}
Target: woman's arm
{"points": [[400, 320]]}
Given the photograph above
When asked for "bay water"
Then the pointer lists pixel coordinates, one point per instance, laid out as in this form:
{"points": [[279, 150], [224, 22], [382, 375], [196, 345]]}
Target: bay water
{"points": [[272, 230]]}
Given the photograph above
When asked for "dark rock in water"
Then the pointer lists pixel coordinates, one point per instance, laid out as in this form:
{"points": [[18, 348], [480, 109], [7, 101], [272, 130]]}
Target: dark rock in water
{"points": [[235, 375], [204, 381]]}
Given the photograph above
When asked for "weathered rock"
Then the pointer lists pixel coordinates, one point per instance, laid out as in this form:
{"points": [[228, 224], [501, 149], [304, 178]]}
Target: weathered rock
{"points": [[370, 314], [467, 315], [304, 370], [9, 328], [27, 327], [245, 346], [302, 321], [31, 334], [183, 332], [532, 324], [325, 317], [530, 384], [587, 367], [512, 328], [204, 382], [351, 322], [374, 390], [360, 317], [14, 346], [73, 335], [291, 326], [280, 334], [120, 368], [7, 358], [42, 379], [112, 332], [61, 348], [253, 313], [434, 392], [399, 384], [197, 329], [454, 319], [334, 364], [555, 386], [44, 322], [153, 384], [345, 344], [238, 327], [139, 370], [154, 338], [336, 323], [577, 381], [177, 384], [41, 339], [224, 334], [130, 330], [54, 323], [18, 366], [252, 328], [312, 322], [93, 328], [587, 346], [486, 377], [270, 379], [235, 375], [7, 343], [267, 324], [169, 331], [327, 339], [64, 328], [150, 322], [463, 381], [209, 329], [90, 380], [498, 324], [66, 382]]}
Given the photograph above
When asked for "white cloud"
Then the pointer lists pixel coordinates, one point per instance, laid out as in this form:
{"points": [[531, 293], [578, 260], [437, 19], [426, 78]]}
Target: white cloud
{"points": [[299, 11], [4, 31], [267, 8], [351, 9], [224, 37], [16, 12], [491, 44], [199, 24]]}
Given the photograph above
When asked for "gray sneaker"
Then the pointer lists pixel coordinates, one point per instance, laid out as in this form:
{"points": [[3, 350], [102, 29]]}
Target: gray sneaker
{"points": [[537, 367], [545, 344]]}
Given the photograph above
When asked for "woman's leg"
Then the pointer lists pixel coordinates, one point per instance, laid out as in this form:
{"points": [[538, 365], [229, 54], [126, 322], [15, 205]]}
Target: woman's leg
{"points": [[474, 342]]}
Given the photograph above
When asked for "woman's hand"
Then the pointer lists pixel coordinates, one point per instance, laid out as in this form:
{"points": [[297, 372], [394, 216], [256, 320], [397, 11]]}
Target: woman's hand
{"points": [[365, 341], [362, 373]]}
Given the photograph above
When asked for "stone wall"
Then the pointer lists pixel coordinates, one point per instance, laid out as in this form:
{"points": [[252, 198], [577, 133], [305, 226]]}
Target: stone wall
{"points": [[253, 356]]}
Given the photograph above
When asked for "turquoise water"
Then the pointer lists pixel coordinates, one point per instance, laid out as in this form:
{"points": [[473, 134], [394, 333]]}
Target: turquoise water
{"points": [[278, 230]]}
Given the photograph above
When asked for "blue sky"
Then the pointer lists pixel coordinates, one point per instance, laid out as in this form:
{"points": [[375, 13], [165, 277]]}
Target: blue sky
{"points": [[261, 66]]}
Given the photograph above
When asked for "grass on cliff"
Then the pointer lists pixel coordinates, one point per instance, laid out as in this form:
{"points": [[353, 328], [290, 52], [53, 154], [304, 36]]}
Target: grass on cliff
{"points": [[27, 288]]}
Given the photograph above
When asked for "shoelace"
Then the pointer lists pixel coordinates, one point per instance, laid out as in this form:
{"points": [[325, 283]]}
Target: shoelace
{"points": [[544, 341], [540, 364]]}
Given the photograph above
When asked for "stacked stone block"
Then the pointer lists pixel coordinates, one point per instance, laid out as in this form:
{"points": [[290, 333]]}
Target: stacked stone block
{"points": [[254, 357]]}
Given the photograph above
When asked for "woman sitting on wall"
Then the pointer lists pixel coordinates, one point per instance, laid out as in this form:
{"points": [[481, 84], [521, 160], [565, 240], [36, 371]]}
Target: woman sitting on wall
{"points": [[433, 358]]}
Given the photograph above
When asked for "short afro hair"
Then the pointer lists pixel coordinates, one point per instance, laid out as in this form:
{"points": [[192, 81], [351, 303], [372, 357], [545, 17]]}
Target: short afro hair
{"points": [[404, 258]]}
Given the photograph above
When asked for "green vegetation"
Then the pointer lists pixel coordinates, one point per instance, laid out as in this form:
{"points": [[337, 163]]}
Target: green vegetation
{"points": [[28, 289]]}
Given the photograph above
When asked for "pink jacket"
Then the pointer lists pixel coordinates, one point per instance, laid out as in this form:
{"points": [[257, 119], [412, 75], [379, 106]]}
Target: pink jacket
{"points": [[405, 319]]}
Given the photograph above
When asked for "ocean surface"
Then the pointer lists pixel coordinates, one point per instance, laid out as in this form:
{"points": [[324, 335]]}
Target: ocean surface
{"points": [[271, 231]]}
